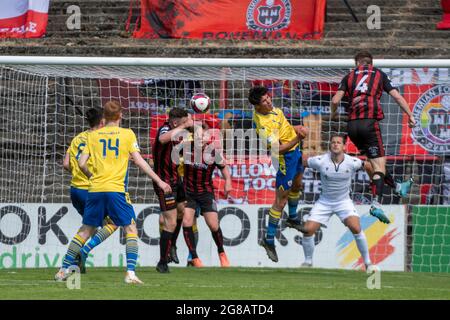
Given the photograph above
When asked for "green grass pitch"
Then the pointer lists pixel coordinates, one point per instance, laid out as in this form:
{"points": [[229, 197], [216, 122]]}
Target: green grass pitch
{"points": [[231, 283]]}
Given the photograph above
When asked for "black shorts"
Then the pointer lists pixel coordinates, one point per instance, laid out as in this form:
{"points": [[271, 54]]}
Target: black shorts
{"points": [[169, 201], [366, 135], [205, 201]]}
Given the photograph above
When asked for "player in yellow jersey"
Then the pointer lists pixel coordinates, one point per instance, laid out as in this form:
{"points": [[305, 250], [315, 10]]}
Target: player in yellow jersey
{"points": [[272, 126], [79, 187], [110, 149], [80, 183]]}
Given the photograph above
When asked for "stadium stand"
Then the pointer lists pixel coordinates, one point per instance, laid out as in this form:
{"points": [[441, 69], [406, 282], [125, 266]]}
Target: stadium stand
{"points": [[408, 29]]}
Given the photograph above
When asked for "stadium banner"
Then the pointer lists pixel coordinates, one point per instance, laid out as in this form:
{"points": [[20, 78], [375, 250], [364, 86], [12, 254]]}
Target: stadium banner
{"points": [[430, 105], [37, 236], [431, 247], [232, 20], [23, 18], [253, 182]]}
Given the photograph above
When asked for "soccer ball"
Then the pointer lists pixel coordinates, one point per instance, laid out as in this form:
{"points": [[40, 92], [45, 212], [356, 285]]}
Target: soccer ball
{"points": [[200, 103]]}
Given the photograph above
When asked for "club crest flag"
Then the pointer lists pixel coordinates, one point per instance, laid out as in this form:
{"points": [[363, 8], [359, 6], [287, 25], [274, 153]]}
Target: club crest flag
{"points": [[232, 20], [23, 18]]}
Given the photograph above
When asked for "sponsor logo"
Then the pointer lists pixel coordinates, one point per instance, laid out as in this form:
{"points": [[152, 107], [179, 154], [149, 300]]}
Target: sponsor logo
{"points": [[373, 151], [268, 15], [432, 114]]}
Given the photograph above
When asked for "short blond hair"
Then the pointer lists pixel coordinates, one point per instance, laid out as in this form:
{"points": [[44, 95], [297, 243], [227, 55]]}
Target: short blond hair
{"points": [[112, 110]]}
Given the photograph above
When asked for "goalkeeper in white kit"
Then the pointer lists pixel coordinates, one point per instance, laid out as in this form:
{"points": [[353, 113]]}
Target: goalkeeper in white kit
{"points": [[336, 171]]}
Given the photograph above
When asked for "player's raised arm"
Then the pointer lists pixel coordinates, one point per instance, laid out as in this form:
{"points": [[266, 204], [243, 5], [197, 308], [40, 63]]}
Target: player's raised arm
{"points": [[340, 93], [404, 106], [144, 166], [168, 136], [335, 102], [391, 88]]}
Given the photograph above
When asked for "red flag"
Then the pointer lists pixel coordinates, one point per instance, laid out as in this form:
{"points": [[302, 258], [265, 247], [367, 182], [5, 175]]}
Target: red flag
{"points": [[229, 19], [23, 18]]}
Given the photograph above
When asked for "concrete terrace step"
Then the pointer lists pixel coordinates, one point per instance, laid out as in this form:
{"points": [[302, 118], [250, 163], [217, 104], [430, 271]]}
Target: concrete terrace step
{"points": [[343, 39], [404, 25], [411, 29], [398, 17], [89, 27], [329, 35], [58, 4], [90, 34], [125, 48], [394, 8], [92, 10], [384, 33], [422, 10], [90, 18], [338, 21], [384, 3]]}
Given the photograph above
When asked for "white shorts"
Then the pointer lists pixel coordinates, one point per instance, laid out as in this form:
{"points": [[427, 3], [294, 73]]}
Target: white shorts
{"points": [[321, 212]]}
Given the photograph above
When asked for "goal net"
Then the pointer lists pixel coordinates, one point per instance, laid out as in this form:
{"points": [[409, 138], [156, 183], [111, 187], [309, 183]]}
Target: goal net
{"points": [[43, 108]]}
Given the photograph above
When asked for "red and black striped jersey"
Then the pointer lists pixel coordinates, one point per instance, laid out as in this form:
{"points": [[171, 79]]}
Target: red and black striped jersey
{"points": [[363, 87], [198, 175], [164, 167]]}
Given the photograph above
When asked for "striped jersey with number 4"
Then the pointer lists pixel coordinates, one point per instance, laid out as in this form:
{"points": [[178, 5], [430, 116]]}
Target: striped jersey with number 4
{"points": [[364, 87], [110, 148]]}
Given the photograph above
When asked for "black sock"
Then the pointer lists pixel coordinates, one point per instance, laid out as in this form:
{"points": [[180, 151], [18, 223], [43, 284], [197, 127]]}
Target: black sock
{"points": [[190, 241], [218, 239], [377, 188], [389, 180], [164, 245], [176, 232], [195, 238]]}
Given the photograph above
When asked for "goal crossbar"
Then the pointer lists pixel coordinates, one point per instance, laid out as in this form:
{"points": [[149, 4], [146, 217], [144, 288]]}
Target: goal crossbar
{"points": [[217, 62]]}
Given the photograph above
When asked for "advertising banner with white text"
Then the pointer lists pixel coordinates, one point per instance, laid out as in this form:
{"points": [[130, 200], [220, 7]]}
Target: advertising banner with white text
{"points": [[37, 236]]}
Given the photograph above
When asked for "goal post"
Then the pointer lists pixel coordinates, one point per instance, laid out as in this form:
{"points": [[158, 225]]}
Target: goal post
{"points": [[43, 101]]}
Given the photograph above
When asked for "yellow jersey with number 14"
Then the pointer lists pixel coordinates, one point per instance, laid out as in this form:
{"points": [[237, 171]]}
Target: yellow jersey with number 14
{"points": [[110, 148], [79, 180], [274, 126]]}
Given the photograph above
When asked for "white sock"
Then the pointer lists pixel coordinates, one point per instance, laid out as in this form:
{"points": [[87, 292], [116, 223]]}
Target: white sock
{"points": [[308, 248], [361, 243]]}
